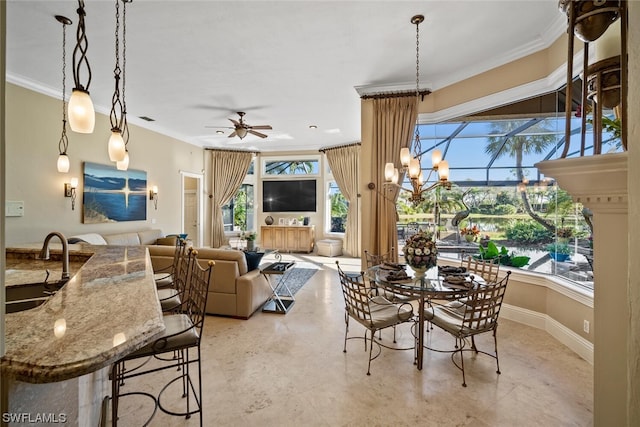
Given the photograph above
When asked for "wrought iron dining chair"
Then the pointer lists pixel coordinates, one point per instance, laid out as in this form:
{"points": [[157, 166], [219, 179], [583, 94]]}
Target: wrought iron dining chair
{"points": [[412, 229], [488, 269], [373, 312], [182, 334], [477, 315], [374, 259]]}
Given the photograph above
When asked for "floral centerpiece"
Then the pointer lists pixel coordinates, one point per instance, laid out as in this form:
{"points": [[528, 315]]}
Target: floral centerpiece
{"points": [[420, 252], [470, 233]]}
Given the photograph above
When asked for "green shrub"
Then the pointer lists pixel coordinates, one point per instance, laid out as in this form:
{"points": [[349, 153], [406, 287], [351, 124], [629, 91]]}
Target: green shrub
{"points": [[528, 232], [504, 210]]}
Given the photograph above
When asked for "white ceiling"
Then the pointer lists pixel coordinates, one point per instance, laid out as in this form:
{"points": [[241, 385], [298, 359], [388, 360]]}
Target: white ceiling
{"points": [[290, 64]]}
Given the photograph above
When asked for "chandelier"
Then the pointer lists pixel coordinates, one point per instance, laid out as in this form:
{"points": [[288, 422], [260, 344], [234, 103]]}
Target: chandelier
{"points": [[412, 164]]}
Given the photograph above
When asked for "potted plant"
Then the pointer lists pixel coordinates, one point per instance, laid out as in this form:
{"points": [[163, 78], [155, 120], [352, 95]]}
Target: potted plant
{"points": [[250, 237], [559, 251], [470, 233], [564, 234], [503, 255]]}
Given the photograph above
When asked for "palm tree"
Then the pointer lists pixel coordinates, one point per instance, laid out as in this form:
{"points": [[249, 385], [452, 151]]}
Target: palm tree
{"points": [[289, 167], [509, 143]]}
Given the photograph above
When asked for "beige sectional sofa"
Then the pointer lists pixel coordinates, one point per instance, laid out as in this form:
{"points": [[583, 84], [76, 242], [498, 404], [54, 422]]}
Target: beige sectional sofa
{"points": [[144, 237], [233, 291]]}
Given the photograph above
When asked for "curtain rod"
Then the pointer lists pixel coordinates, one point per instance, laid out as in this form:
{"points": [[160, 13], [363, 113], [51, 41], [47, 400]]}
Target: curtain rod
{"points": [[422, 93], [324, 149], [231, 151]]}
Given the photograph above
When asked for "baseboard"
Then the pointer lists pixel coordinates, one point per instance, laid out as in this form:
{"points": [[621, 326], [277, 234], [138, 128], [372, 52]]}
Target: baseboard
{"points": [[566, 336]]}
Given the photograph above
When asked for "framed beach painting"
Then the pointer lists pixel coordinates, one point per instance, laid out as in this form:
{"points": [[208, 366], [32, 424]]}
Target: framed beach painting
{"points": [[112, 195]]}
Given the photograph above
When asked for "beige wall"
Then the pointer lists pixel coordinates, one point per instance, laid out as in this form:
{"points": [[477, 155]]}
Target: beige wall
{"points": [[31, 174], [526, 70]]}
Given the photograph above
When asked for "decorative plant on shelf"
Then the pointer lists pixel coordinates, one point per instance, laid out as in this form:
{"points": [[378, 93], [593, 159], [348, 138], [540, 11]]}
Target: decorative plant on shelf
{"points": [[505, 257]]}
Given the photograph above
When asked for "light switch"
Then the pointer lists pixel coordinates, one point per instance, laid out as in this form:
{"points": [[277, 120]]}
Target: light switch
{"points": [[14, 208]]}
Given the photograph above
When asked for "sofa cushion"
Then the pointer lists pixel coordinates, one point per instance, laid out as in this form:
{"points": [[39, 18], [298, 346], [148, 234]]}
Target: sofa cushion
{"points": [[91, 238], [166, 241], [149, 237], [253, 259], [123, 239], [224, 255]]}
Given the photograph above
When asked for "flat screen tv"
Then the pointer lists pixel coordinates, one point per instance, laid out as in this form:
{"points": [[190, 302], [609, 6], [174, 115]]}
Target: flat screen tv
{"points": [[289, 196]]}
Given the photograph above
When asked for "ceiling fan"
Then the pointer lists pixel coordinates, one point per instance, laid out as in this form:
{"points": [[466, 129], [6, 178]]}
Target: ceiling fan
{"points": [[241, 129]]}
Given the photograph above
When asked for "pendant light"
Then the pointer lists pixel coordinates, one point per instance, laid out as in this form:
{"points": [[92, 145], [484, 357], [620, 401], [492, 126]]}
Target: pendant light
{"points": [[82, 117], [123, 164], [63, 144], [116, 143]]}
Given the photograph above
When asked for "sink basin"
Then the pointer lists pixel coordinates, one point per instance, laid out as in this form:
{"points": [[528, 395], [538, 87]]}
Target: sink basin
{"points": [[30, 295]]}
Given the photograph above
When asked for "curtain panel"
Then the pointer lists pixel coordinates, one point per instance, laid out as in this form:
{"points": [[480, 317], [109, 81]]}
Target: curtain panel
{"points": [[228, 170], [394, 122], [344, 164]]}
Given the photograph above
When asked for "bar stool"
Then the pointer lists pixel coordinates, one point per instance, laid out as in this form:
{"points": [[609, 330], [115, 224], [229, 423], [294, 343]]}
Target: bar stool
{"points": [[182, 333]]}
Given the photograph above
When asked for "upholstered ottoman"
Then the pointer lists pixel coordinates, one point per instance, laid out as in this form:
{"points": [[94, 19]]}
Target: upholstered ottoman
{"points": [[329, 247]]}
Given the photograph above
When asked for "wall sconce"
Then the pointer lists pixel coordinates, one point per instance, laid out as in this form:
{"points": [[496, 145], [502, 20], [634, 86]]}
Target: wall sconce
{"points": [[153, 195], [70, 191]]}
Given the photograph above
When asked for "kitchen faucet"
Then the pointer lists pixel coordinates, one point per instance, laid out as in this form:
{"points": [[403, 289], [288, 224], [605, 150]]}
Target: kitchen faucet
{"points": [[44, 253]]}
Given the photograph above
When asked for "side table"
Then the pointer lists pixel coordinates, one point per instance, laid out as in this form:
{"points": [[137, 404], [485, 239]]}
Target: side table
{"points": [[281, 299]]}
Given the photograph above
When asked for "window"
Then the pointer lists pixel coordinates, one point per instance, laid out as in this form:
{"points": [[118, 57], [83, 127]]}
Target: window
{"points": [[288, 166], [239, 213], [337, 215], [497, 188]]}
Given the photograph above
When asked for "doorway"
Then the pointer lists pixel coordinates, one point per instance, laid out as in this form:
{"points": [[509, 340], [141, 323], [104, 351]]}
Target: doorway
{"points": [[192, 207]]}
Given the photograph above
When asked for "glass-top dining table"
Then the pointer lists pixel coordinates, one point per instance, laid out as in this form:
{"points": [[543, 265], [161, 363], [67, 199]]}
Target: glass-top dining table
{"points": [[434, 285]]}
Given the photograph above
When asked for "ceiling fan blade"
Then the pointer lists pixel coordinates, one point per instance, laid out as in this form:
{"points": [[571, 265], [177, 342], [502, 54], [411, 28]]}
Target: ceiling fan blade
{"points": [[219, 127], [232, 134], [261, 135], [235, 122], [261, 127]]}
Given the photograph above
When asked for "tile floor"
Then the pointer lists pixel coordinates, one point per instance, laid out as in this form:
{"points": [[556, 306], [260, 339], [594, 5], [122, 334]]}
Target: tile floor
{"points": [[289, 370]]}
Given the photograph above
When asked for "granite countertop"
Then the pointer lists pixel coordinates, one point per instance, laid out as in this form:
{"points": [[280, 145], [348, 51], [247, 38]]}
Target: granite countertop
{"points": [[108, 309]]}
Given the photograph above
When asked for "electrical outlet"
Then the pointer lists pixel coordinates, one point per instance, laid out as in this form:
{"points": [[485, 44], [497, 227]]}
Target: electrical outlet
{"points": [[585, 326]]}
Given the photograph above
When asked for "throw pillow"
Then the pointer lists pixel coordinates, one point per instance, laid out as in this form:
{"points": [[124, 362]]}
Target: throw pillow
{"points": [[168, 241], [253, 259]]}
